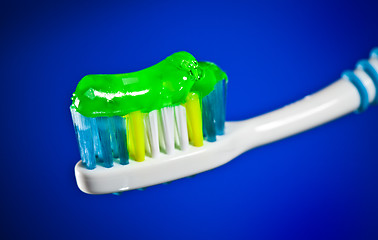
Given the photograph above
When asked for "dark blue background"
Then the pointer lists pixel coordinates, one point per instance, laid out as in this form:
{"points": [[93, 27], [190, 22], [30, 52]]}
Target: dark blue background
{"points": [[322, 184]]}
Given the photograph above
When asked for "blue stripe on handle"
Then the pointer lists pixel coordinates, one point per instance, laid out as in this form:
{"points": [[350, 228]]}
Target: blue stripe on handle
{"points": [[361, 89], [373, 74], [374, 53]]}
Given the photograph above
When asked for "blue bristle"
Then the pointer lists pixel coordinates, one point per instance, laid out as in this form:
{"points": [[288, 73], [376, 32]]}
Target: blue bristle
{"points": [[220, 106], [213, 112], [120, 135], [83, 132], [101, 139], [96, 141], [208, 105], [113, 138], [204, 133], [103, 125]]}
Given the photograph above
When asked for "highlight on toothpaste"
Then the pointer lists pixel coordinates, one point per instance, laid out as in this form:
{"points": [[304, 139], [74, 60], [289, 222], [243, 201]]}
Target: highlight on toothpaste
{"points": [[125, 117]]}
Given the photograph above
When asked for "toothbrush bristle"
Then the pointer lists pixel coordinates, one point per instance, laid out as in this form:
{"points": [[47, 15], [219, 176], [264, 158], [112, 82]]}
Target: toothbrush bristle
{"points": [[181, 128], [106, 141], [151, 122], [83, 129], [104, 128], [213, 112], [120, 138], [136, 128], [166, 129], [194, 116]]}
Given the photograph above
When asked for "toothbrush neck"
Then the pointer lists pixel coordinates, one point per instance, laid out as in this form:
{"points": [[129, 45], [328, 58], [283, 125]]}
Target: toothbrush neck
{"points": [[334, 101]]}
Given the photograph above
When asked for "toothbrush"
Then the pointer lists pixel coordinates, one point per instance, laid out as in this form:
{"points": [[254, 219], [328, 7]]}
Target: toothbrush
{"points": [[127, 146]]}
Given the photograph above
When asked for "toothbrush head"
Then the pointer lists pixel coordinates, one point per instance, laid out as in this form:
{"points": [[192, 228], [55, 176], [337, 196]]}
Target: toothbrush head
{"points": [[144, 128]]}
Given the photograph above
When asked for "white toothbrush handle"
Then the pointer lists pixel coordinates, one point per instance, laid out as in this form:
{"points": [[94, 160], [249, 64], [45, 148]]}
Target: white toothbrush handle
{"points": [[334, 101]]}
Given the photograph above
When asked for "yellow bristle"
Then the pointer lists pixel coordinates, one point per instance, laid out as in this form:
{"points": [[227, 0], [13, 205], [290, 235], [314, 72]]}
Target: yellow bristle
{"points": [[194, 114], [190, 132], [136, 136]]}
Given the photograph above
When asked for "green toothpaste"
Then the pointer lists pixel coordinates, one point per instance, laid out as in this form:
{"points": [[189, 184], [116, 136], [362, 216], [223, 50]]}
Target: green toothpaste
{"points": [[166, 83]]}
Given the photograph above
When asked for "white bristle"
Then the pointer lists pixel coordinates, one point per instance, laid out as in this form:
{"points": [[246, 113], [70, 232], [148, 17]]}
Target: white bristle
{"points": [[181, 127], [166, 129], [151, 124], [147, 143], [161, 133], [177, 140]]}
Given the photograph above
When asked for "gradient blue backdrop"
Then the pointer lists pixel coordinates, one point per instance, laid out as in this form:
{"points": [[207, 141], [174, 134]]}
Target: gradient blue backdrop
{"points": [[322, 184]]}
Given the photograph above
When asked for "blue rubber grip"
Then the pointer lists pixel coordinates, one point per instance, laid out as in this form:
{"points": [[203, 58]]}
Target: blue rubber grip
{"points": [[373, 74], [361, 89], [374, 53]]}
